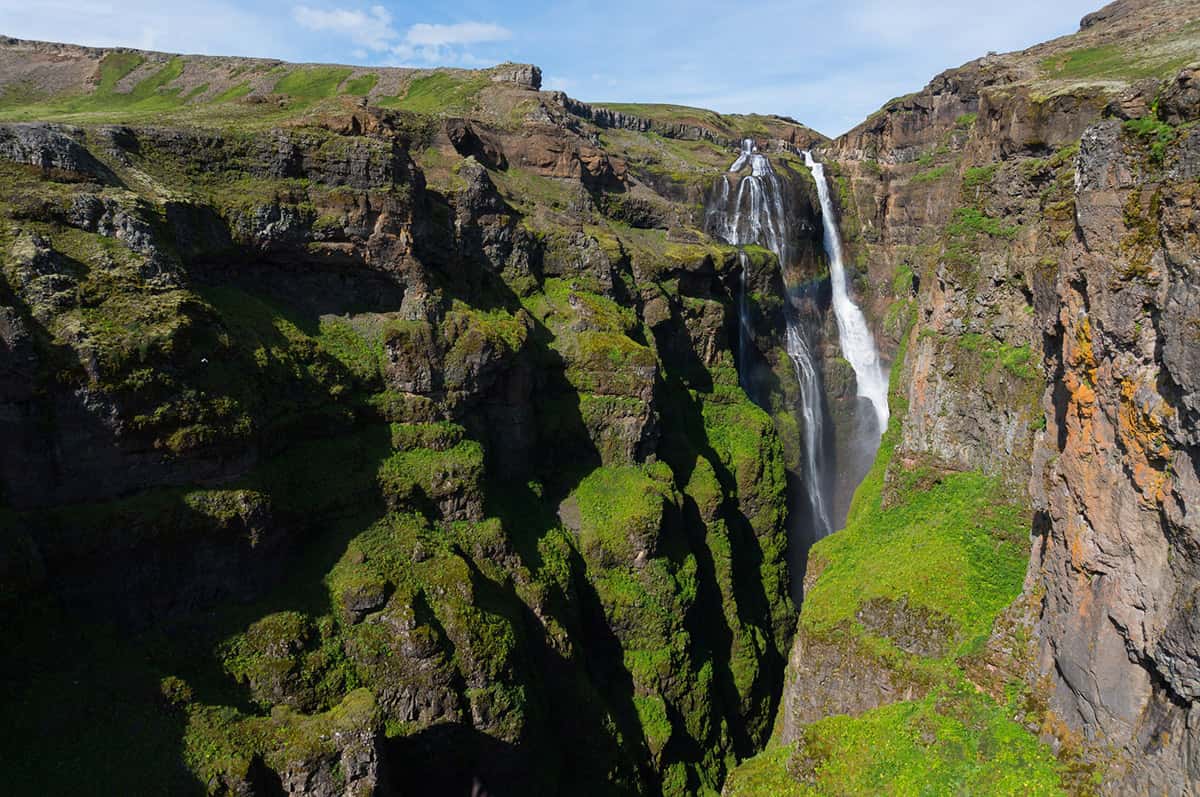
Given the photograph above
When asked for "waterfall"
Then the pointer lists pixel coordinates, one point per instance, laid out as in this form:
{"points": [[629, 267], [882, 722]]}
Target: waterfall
{"points": [[743, 316], [756, 214], [858, 346]]}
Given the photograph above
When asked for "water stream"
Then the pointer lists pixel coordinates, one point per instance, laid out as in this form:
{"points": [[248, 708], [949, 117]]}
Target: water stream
{"points": [[756, 214], [858, 345], [753, 209]]}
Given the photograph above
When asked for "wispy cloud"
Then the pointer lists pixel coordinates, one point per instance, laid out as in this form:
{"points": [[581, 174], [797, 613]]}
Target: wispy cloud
{"points": [[423, 42], [371, 29], [447, 43]]}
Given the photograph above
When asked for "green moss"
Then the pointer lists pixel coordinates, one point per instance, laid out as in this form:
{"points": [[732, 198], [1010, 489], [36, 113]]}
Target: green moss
{"points": [[652, 713], [531, 192], [933, 175], [968, 222], [608, 363], [619, 505], [440, 93], [267, 656], [296, 736], [765, 774], [1154, 134], [902, 281], [1017, 360], [411, 477], [473, 334], [955, 741], [966, 120], [312, 83], [439, 436], [360, 86], [362, 356], [743, 437], [977, 176], [953, 545]]}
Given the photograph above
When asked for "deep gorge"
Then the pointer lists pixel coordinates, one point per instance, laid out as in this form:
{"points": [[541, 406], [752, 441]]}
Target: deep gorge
{"points": [[388, 431]]}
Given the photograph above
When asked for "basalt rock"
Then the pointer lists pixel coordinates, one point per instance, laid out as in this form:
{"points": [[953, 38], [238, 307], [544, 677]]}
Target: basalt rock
{"points": [[1114, 472], [51, 147]]}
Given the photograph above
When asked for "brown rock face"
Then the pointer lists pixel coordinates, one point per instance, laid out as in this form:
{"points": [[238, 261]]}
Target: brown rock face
{"points": [[1116, 470]]}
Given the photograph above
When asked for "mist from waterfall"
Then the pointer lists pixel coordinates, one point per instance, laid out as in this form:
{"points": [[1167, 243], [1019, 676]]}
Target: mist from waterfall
{"points": [[756, 214], [857, 343]]}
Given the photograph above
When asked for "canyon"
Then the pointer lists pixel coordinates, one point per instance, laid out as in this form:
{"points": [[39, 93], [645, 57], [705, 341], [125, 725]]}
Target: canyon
{"points": [[396, 431]]}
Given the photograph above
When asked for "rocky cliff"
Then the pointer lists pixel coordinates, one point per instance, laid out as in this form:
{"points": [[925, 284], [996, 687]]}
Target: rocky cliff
{"points": [[377, 432], [1025, 235]]}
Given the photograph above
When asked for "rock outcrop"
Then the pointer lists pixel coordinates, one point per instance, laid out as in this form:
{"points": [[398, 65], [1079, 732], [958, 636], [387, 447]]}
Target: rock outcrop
{"points": [[1114, 473]]}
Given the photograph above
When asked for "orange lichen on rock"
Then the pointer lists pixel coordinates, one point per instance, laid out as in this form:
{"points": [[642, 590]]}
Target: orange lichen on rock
{"points": [[1080, 377], [1140, 419]]}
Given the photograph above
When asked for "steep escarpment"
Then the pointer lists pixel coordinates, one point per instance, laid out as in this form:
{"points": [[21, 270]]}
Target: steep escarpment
{"points": [[1114, 473], [1011, 222], [367, 450]]}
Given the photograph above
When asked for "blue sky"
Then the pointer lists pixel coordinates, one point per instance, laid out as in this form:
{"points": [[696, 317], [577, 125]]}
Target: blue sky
{"points": [[824, 65]]}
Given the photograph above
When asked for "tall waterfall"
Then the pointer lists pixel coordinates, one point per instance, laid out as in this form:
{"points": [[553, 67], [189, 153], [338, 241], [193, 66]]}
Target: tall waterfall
{"points": [[756, 214], [858, 346]]}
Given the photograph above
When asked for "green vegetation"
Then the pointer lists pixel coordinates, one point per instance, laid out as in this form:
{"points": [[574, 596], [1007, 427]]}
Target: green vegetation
{"points": [[954, 741], [440, 93], [1155, 134], [966, 120], [419, 565], [617, 507], [232, 93], [1157, 59], [952, 545], [735, 126], [312, 83], [150, 95], [115, 66], [360, 86], [979, 176], [935, 557], [933, 175], [1017, 360], [663, 112], [968, 222]]}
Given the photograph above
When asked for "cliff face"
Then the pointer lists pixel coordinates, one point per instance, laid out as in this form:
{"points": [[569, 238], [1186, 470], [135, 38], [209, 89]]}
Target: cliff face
{"points": [[359, 450], [1024, 230], [1114, 476]]}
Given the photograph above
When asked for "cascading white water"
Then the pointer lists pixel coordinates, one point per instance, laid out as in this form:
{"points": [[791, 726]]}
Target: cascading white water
{"points": [[757, 215], [743, 309], [858, 346]]}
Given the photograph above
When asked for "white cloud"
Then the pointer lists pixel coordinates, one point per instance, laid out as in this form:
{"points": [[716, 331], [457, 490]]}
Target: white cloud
{"points": [[426, 35], [371, 29], [422, 42], [447, 43], [555, 83]]}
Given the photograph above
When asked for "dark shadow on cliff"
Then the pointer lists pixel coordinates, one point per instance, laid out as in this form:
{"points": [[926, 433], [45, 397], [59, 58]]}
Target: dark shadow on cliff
{"points": [[684, 437]]}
